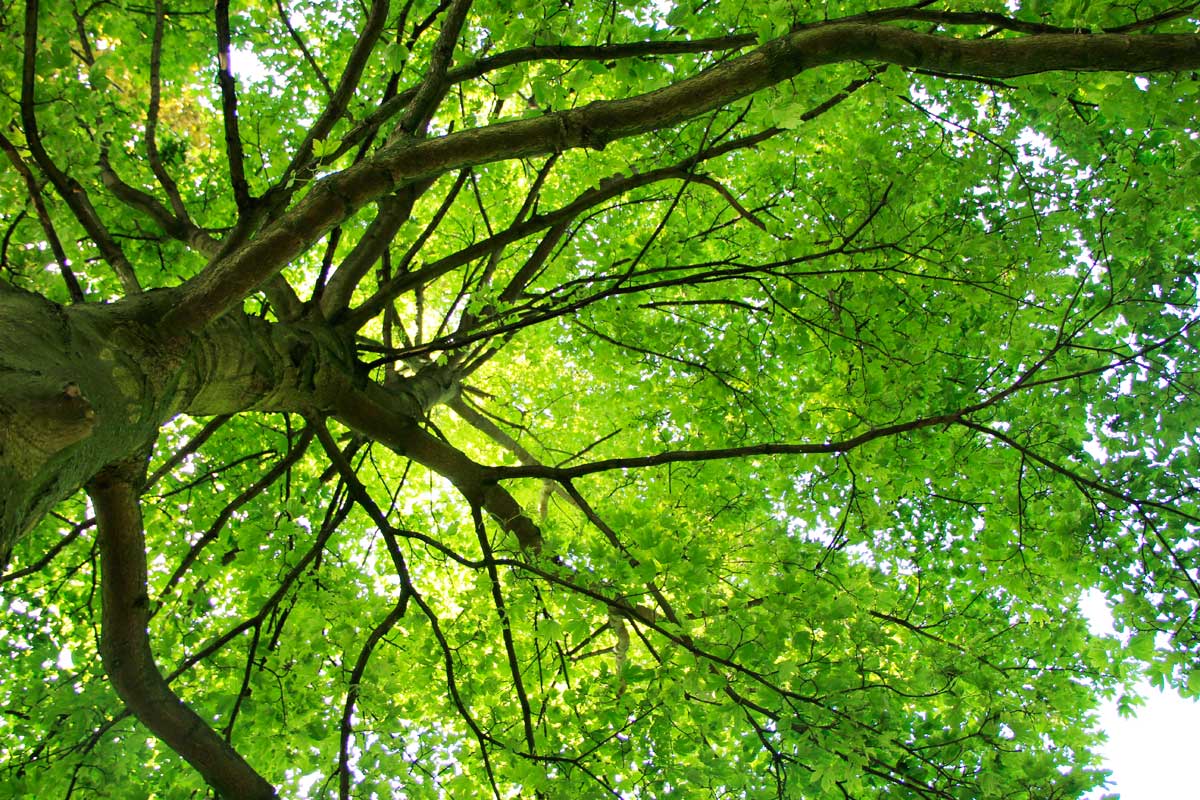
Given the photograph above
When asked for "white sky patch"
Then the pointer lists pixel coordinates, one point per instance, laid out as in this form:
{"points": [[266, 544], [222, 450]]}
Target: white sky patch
{"points": [[65, 659], [1152, 755], [246, 66]]}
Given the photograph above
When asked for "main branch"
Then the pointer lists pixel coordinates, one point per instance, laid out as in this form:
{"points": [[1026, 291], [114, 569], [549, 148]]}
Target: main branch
{"points": [[332, 200]]}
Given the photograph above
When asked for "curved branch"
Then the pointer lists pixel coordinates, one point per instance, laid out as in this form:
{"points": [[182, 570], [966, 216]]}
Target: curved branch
{"points": [[510, 646], [733, 202], [356, 675], [245, 496], [721, 454], [1085, 481], [125, 643], [332, 199], [285, 19], [177, 227], [69, 189]]}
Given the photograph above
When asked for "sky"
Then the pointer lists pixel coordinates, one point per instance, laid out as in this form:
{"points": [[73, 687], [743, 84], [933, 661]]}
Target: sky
{"points": [[1155, 755]]}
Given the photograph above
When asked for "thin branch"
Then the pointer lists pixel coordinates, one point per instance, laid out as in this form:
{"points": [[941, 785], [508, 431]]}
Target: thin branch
{"points": [[244, 690], [720, 189], [510, 647], [50, 553], [721, 454], [455, 696], [1003, 22], [245, 496], [335, 514], [152, 154], [285, 18], [1081, 480], [233, 136], [35, 196], [1178, 12], [193, 444], [294, 176], [354, 687], [179, 228], [69, 189]]}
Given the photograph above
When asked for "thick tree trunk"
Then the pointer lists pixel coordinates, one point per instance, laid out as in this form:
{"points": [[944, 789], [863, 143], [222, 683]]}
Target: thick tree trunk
{"points": [[84, 386], [80, 386]]}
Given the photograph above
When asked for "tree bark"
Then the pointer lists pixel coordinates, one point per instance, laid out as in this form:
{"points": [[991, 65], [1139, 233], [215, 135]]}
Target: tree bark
{"points": [[125, 642], [84, 386], [334, 199]]}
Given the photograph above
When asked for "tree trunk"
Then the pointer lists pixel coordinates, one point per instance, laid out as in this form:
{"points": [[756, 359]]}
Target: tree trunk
{"points": [[83, 386]]}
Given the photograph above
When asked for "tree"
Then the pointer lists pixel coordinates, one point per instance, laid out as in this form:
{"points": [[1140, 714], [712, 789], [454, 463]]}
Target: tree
{"points": [[587, 399]]}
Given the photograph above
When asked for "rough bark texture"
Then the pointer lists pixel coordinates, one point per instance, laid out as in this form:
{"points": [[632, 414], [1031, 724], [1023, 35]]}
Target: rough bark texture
{"points": [[81, 387], [86, 385]]}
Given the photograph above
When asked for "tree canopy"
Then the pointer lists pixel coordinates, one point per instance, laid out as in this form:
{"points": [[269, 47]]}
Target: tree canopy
{"points": [[584, 399]]}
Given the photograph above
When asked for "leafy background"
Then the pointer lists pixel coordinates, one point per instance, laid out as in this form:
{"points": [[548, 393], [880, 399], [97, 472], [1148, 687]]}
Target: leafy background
{"points": [[896, 619]]}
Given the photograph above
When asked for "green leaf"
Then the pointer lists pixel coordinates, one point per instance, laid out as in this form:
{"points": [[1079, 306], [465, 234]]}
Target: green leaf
{"points": [[633, 406]]}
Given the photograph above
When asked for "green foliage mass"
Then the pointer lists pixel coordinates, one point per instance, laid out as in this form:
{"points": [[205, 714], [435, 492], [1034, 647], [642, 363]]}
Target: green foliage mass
{"points": [[967, 303]]}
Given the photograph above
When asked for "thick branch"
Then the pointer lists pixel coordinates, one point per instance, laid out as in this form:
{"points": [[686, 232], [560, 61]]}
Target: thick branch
{"points": [[333, 199], [125, 644], [434, 85], [394, 211], [524, 55], [376, 413]]}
